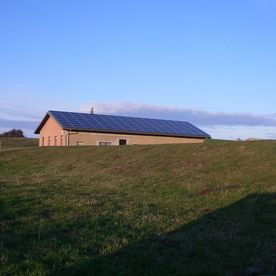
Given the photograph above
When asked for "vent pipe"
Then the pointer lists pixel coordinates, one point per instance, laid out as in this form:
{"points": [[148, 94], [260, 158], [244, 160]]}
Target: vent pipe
{"points": [[92, 111]]}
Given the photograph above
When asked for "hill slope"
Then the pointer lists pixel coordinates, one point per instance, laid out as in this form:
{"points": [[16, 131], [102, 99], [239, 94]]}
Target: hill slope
{"points": [[17, 142], [169, 209]]}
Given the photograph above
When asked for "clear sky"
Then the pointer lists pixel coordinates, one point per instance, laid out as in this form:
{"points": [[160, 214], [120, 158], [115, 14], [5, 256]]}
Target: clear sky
{"points": [[152, 58]]}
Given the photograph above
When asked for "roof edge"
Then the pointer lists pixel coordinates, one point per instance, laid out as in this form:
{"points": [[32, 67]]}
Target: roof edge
{"points": [[44, 120]]}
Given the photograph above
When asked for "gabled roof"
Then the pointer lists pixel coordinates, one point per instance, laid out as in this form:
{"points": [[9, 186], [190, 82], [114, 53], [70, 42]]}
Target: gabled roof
{"points": [[121, 124]]}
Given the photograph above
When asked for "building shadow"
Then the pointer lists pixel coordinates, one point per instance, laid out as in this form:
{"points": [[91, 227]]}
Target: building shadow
{"points": [[223, 242]]}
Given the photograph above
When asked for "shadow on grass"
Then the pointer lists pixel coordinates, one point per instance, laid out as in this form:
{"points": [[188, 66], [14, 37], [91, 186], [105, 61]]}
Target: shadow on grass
{"points": [[225, 241]]}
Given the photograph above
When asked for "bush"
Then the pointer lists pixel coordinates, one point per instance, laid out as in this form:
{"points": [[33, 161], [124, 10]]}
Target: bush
{"points": [[13, 133]]}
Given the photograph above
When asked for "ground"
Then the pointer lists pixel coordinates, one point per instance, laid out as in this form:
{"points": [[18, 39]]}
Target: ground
{"points": [[173, 209]]}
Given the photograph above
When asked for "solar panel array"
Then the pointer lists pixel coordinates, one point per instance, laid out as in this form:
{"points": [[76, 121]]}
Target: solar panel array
{"points": [[111, 123]]}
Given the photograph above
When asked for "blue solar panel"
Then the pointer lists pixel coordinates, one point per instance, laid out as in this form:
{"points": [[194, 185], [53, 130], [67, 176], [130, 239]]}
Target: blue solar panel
{"points": [[121, 124]]}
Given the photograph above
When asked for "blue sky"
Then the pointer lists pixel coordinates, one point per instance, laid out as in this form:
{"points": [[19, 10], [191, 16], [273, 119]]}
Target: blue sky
{"points": [[210, 62]]}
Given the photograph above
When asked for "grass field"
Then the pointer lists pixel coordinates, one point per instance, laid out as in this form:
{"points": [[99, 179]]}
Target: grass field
{"points": [[139, 210], [17, 142]]}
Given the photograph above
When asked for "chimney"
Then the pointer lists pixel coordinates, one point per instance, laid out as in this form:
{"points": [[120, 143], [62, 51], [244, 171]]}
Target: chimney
{"points": [[92, 111]]}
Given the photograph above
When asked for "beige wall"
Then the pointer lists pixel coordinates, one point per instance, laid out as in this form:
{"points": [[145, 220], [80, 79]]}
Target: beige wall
{"points": [[53, 135], [83, 138]]}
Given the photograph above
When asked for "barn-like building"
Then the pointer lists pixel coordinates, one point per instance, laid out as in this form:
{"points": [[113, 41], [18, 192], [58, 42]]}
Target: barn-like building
{"points": [[59, 128]]}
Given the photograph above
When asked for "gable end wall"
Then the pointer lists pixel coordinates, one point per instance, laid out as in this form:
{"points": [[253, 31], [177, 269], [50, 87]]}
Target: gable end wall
{"points": [[53, 132]]}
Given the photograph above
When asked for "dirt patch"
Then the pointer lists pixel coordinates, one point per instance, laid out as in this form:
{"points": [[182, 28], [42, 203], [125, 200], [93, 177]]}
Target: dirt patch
{"points": [[231, 186], [206, 210], [206, 191]]}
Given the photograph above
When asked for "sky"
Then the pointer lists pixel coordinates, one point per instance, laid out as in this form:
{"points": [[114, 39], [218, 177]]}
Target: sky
{"points": [[212, 63]]}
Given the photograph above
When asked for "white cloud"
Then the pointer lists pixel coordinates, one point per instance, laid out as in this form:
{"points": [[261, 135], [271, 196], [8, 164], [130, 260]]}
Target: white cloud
{"points": [[219, 125], [201, 117]]}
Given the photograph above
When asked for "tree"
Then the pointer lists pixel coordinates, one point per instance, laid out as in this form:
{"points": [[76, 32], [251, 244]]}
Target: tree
{"points": [[13, 133]]}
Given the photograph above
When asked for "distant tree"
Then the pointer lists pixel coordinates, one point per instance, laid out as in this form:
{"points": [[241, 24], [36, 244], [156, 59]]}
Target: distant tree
{"points": [[13, 133]]}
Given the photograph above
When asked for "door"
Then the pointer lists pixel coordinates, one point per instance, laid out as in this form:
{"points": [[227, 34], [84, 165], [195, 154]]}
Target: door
{"points": [[122, 142]]}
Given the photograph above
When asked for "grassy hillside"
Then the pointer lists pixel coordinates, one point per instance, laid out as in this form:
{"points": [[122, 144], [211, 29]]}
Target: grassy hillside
{"points": [[17, 142], [155, 210]]}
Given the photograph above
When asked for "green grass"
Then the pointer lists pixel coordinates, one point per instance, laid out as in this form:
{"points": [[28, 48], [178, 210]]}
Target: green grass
{"points": [[136, 210], [17, 142]]}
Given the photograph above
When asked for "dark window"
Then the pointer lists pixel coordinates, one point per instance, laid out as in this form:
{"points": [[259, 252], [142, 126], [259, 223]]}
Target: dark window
{"points": [[122, 142]]}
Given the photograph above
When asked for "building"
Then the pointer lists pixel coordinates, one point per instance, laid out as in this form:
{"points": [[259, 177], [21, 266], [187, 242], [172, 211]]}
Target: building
{"points": [[59, 128]]}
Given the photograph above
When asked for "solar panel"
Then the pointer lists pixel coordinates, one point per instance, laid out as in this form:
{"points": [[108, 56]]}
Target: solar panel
{"points": [[111, 123]]}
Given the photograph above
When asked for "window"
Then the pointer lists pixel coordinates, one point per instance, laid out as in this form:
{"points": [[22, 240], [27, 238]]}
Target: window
{"points": [[55, 140], [122, 142], [79, 143], [61, 140], [42, 141], [49, 140], [105, 143]]}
